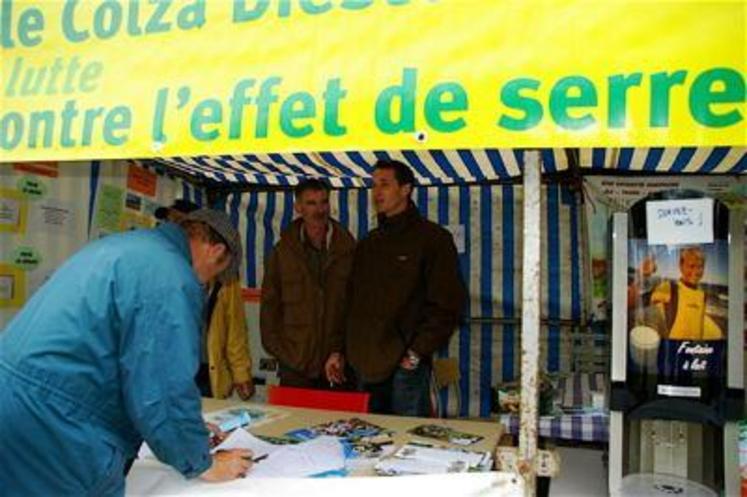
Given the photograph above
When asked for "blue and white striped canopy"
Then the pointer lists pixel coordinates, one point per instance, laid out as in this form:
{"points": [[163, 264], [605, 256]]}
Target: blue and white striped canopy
{"points": [[487, 221], [444, 167], [458, 190]]}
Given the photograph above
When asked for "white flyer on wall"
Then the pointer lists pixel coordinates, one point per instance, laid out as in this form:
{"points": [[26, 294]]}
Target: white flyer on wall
{"points": [[52, 216], [679, 222], [10, 211]]}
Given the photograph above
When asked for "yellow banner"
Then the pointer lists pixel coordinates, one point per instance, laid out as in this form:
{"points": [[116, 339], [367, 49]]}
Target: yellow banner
{"points": [[128, 78]]}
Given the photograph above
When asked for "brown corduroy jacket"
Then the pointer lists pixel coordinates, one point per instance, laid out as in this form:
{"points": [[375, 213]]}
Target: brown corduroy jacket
{"points": [[406, 292], [302, 323]]}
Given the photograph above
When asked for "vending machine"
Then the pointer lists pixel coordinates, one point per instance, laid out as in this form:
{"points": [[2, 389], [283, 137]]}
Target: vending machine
{"points": [[677, 389]]}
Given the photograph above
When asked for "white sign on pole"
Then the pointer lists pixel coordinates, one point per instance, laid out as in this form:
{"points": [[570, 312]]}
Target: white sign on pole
{"points": [[679, 222]]}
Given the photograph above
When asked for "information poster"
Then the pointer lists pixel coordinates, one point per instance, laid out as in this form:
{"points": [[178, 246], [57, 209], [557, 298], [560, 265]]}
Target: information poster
{"points": [[43, 220], [678, 294], [609, 194]]}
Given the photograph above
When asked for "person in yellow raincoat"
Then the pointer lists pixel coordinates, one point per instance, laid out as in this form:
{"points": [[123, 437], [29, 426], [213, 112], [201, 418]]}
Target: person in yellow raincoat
{"points": [[225, 359]]}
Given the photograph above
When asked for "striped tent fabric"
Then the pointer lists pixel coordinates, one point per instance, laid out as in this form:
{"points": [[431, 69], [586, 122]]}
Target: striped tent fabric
{"points": [[353, 169], [444, 167], [487, 222], [698, 160], [458, 189]]}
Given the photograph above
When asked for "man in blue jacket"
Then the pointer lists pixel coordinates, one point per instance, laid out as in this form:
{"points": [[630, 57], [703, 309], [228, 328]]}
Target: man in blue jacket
{"points": [[104, 355]]}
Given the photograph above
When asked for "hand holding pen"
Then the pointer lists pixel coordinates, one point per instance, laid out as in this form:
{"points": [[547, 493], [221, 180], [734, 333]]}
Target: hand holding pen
{"points": [[260, 458], [228, 465]]}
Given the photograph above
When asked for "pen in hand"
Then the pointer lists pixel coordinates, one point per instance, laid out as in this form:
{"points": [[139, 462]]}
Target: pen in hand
{"points": [[258, 458]]}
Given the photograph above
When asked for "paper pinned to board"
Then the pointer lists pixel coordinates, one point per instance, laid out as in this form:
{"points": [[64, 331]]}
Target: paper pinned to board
{"points": [[679, 222]]}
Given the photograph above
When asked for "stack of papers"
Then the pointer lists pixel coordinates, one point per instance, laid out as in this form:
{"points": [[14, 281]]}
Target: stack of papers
{"points": [[314, 457], [415, 459]]}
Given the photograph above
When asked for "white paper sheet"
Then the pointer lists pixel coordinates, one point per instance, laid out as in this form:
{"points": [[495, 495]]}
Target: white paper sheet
{"points": [[305, 459], [679, 222], [53, 216], [10, 212], [241, 439]]}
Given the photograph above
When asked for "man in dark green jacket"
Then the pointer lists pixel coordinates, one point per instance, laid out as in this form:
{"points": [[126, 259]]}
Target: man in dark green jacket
{"points": [[406, 298]]}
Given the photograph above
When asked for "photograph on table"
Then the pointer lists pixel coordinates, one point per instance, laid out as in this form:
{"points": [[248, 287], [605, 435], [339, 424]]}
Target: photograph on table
{"points": [[445, 434], [360, 438], [420, 459], [243, 417]]}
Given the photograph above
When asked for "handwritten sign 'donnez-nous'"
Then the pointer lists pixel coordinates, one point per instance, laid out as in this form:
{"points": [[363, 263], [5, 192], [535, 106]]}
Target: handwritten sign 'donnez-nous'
{"points": [[679, 222]]}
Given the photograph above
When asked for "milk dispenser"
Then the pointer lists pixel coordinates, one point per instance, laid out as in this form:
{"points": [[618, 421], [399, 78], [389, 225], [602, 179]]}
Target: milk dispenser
{"points": [[677, 346]]}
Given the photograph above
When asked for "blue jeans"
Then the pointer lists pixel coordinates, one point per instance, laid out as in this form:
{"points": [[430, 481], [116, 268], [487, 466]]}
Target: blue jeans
{"points": [[405, 393]]}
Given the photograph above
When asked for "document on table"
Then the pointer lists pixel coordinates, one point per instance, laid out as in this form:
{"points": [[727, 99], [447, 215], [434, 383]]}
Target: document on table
{"points": [[242, 439], [316, 456], [238, 439], [413, 459]]}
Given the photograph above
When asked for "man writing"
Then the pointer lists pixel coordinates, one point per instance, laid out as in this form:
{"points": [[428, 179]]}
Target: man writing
{"points": [[406, 298], [304, 292], [103, 356], [225, 361]]}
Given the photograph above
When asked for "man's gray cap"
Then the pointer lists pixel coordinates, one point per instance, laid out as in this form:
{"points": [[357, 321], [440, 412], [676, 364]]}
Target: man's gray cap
{"points": [[221, 224]]}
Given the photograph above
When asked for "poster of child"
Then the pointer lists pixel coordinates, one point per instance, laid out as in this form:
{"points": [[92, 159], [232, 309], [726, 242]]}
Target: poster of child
{"points": [[677, 302], [682, 301]]}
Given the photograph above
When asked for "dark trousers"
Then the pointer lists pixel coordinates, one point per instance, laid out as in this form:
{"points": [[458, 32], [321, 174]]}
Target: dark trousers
{"points": [[405, 393], [202, 378], [292, 378]]}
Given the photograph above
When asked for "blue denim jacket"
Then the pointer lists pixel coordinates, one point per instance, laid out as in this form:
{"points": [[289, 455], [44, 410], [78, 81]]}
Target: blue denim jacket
{"points": [[101, 357]]}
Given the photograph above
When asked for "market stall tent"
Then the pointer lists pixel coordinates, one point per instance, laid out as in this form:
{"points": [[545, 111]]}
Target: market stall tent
{"points": [[241, 100]]}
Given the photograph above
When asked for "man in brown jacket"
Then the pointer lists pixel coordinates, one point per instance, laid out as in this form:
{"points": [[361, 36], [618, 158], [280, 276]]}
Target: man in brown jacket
{"points": [[406, 298], [304, 293]]}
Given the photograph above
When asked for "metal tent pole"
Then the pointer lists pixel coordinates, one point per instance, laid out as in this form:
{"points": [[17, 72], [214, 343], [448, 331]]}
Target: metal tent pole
{"points": [[530, 323], [619, 350]]}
